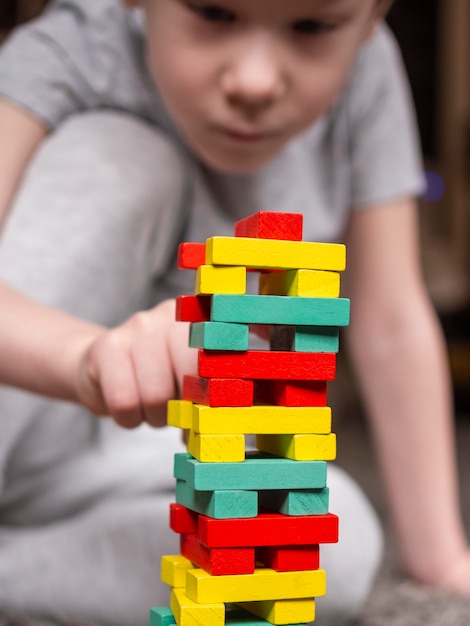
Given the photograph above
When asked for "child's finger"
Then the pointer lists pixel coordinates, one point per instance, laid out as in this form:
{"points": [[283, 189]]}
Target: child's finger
{"points": [[153, 371], [120, 388]]}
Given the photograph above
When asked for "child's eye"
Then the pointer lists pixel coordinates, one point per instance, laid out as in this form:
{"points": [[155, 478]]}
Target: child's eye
{"points": [[212, 12], [310, 27]]}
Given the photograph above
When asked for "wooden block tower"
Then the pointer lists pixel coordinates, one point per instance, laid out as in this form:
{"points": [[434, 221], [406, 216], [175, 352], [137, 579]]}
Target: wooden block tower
{"points": [[251, 521]]}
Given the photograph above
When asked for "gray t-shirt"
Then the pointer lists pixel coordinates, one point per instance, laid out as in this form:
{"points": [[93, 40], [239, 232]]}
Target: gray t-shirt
{"points": [[89, 54]]}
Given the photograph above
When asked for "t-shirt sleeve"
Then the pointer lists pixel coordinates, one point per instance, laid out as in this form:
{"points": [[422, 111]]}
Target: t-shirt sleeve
{"points": [[385, 149], [78, 55]]}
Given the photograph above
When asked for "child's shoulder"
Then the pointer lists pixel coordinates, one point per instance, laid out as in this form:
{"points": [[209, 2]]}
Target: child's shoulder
{"points": [[380, 53], [378, 84], [78, 55]]}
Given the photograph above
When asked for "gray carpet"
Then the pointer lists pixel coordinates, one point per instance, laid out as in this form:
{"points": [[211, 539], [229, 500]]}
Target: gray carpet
{"points": [[395, 601]]}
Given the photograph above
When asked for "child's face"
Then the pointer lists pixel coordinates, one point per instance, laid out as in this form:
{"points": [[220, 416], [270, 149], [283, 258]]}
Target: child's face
{"points": [[242, 77]]}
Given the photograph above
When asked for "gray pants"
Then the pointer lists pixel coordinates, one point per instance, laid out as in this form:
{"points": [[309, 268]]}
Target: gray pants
{"points": [[83, 504]]}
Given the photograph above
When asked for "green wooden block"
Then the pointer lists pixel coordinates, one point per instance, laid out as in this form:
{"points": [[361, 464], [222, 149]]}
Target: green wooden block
{"points": [[235, 616], [180, 465], [219, 336], [240, 617], [301, 502], [162, 616], [259, 471], [252, 309], [219, 504], [304, 338]]}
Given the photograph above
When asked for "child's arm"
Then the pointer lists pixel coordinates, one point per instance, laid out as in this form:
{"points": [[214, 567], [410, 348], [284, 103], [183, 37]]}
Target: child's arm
{"points": [[128, 372], [399, 356]]}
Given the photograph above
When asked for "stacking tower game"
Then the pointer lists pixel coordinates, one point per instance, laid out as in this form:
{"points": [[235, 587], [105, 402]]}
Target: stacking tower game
{"points": [[251, 521]]}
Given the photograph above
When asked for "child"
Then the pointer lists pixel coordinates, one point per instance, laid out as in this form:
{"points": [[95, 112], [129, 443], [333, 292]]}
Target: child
{"points": [[114, 147]]}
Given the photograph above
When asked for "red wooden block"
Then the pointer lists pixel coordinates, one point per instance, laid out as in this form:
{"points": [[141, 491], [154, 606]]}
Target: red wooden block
{"points": [[268, 529], [193, 308], [218, 561], [191, 255], [289, 558], [182, 520], [267, 365], [269, 225], [218, 391], [291, 393]]}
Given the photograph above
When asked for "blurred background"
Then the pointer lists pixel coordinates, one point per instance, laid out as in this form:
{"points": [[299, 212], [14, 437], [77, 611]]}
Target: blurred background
{"points": [[434, 36]]}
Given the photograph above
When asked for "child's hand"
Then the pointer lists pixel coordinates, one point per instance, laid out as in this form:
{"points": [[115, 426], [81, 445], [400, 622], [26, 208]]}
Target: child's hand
{"points": [[131, 371]]}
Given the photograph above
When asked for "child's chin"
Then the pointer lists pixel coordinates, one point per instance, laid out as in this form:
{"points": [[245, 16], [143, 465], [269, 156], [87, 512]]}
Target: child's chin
{"points": [[236, 165]]}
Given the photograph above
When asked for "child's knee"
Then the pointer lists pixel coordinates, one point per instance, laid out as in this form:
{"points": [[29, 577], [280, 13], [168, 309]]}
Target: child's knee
{"points": [[102, 203], [352, 564], [118, 150]]}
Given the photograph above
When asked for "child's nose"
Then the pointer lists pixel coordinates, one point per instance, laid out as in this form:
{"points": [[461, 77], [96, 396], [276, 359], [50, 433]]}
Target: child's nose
{"points": [[254, 78]]}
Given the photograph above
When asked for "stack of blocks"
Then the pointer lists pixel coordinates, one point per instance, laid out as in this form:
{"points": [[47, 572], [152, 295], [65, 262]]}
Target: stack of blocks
{"points": [[251, 521]]}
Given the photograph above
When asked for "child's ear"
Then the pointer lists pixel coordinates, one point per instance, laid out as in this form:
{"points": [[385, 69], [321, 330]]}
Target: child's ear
{"points": [[383, 7], [380, 11]]}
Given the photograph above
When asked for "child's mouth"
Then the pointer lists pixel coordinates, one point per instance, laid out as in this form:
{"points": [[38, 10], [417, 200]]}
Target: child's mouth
{"points": [[245, 136]]}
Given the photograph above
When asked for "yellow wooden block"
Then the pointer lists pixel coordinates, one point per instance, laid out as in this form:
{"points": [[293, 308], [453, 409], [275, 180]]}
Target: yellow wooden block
{"points": [[303, 283], [263, 584], [283, 611], [173, 570], [261, 419], [299, 447], [275, 254], [189, 613], [216, 448], [211, 279], [179, 413]]}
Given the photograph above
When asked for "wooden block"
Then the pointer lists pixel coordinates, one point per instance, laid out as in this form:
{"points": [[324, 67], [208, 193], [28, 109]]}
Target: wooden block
{"points": [[162, 616], [300, 283], [218, 504], [266, 365], [220, 279], [234, 616], [257, 472], [304, 338], [216, 448], [190, 613], [263, 584], [219, 336], [283, 611], [261, 419], [287, 310], [218, 561], [173, 570], [289, 558], [299, 447], [193, 308], [218, 391], [299, 502], [180, 414], [272, 254], [182, 520], [271, 225], [268, 529], [191, 255], [291, 392]]}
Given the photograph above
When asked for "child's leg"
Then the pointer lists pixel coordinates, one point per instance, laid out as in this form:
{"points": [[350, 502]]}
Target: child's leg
{"points": [[94, 224], [352, 564], [101, 565]]}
